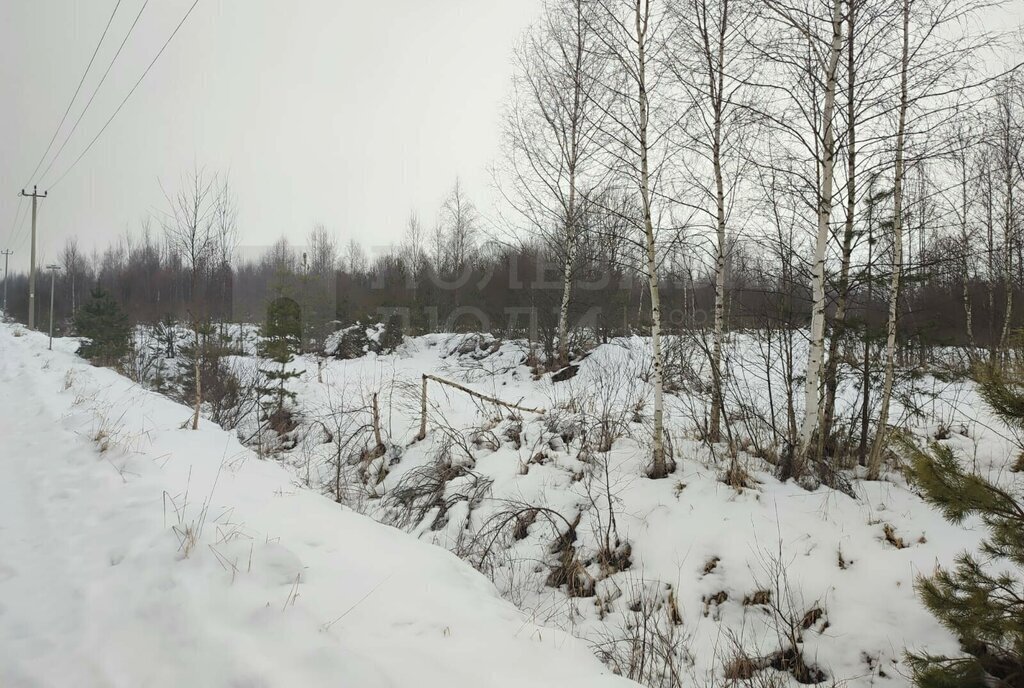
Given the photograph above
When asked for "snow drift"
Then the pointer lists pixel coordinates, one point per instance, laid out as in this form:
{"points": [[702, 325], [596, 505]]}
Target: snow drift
{"points": [[137, 553]]}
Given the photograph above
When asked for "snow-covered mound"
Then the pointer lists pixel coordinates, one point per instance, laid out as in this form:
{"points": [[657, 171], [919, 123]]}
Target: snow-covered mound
{"points": [[136, 553]]}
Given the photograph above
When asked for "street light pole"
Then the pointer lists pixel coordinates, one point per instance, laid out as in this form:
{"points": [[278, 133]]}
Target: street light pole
{"points": [[53, 274]]}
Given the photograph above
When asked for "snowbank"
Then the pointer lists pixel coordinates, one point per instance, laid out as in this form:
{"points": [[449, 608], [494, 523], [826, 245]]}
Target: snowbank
{"points": [[136, 553]]}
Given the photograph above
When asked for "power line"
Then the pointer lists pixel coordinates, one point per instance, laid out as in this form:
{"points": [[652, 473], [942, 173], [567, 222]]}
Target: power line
{"points": [[157, 57], [20, 234], [14, 225], [95, 91], [73, 97]]}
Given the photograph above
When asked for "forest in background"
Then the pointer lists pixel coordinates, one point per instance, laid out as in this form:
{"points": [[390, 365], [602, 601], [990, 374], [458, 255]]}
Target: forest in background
{"points": [[844, 171]]}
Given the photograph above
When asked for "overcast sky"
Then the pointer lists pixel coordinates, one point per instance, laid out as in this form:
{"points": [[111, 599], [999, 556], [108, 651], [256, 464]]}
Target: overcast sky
{"points": [[346, 112]]}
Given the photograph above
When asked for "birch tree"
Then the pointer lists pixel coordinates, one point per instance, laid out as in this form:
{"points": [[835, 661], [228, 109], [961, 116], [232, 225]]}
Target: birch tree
{"points": [[319, 293], [553, 133], [875, 459], [225, 244], [934, 57], [866, 94], [710, 68], [808, 49], [323, 251], [457, 228], [630, 34], [1008, 143], [189, 227], [827, 172], [413, 253], [73, 262], [962, 208]]}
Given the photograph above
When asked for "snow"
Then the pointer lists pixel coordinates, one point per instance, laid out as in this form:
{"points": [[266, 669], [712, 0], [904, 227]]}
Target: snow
{"points": [[101, 490], [137, 553], [812, 550]]}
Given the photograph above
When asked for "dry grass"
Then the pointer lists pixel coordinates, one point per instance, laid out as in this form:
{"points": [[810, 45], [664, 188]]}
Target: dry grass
{"points": [[892, 538]]}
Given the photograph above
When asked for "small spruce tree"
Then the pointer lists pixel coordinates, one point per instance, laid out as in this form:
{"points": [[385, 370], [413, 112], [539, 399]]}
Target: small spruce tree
{"points": [[105, 327], [193, 355], [981, 599], [282, 339], [391, 337]]}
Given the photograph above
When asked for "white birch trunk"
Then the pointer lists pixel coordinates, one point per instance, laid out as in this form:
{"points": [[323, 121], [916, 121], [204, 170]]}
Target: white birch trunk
{"points": [[717, 91], [1008, 243], [812, 398], [199, 381], [717, 400], [659, 466], [570, 259], [875, 459], [965, 234], [574, 154]]}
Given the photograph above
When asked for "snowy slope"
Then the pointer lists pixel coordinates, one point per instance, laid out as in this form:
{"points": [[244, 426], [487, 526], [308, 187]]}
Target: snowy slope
{"points": [[722, 573], [135, 553]]}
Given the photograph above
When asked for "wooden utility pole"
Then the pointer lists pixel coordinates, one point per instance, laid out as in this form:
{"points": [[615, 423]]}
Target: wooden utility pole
{"points": [[35, 196], [53, 274], [6, 254]]}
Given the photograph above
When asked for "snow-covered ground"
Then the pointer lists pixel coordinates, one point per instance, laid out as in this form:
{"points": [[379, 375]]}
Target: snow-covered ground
{"points": [[136, 553], [133, 552], [717, 582]]}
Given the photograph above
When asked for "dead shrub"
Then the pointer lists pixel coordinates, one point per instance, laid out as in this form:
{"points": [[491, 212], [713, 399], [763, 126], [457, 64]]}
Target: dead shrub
{"points": [[612, 560], [513, 433], [736, 475], [757, 598], [892, 538], [715, 601], [648, 644], [429, 489], [568, 570], [523, 523]]}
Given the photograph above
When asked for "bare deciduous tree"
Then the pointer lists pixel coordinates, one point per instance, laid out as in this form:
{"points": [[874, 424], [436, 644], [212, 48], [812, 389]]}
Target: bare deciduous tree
{"points": [[709, 63], [189, 225], [631, 36], [875, 459], [553, 133]]}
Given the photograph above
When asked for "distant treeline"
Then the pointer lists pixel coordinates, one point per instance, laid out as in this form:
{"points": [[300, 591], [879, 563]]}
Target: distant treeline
{"points": [[509, 289]]}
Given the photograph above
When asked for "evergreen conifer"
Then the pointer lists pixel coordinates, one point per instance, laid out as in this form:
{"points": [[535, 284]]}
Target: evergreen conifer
{"points": [[282, 339], [105, 327], [981, 599]]}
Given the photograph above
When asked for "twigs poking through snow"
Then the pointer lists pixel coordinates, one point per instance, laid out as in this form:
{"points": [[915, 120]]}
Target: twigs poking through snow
{"points": [[189, 531], [788, 619], [327, 626], [432, 490], [648, 645], [293, 593]]}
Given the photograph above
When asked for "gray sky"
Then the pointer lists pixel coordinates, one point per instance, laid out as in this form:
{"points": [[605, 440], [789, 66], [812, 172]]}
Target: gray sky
{"points": [[346, 112]]}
